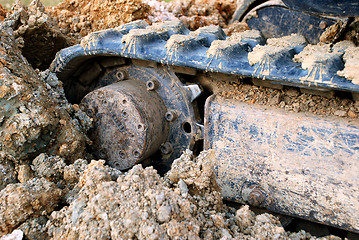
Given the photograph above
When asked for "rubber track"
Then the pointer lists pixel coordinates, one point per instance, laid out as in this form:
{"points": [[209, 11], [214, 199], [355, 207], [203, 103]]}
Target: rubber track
{"points": [[207, 49]]}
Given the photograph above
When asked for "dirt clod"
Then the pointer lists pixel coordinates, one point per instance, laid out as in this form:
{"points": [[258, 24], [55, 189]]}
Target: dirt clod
{"points": [[3, 12], [20, 201], [141, 204], [37, 34], [35, 117]]}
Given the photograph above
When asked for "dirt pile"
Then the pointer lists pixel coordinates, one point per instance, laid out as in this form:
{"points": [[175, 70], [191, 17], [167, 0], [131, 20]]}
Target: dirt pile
{"points": [[139, 204], [291, 99], [3, 12], [200, 13], [102, 202], [35, 116], [79, 18], [36, 34]]}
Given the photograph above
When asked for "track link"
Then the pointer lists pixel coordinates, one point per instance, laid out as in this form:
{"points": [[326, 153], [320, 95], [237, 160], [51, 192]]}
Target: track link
{"points": [[286, 61]]}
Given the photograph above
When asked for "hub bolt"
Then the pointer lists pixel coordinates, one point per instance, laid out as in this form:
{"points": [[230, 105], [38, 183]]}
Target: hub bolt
{"points": [[152, 85], [171, 116], [256, 198], [323, 25], [254, 195], [166, 148], [121, 75]]}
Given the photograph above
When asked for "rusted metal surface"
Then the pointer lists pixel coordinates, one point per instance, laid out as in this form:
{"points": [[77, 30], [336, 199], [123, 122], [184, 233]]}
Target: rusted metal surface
{"points": [[129, 96], [292, 163], [129, 122]]}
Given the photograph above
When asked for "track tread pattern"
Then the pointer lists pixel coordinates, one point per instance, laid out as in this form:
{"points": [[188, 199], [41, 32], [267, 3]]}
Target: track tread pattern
{"points": [[209, 49]]}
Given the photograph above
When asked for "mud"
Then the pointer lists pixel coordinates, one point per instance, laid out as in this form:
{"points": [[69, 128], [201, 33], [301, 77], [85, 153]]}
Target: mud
{"points": [[3, 12], [79, 18], [200, 13], [47, 188], [35, 115], [291, 99], [34, 29], [351, 68]]}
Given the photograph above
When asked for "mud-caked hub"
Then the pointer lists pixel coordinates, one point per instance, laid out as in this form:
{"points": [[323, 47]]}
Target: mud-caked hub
{"points": [[129, 120], [138, 112]]}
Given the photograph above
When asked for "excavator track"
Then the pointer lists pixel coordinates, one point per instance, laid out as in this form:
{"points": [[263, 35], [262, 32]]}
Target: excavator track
{"points": [[288, 61], [286, 162]]}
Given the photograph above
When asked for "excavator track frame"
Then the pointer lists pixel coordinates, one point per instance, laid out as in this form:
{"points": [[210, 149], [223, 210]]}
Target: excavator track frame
{"points": [[207, 55]]}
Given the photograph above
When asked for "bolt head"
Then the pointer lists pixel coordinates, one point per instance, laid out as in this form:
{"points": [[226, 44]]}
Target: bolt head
{"points": [[151, 85], [256, 197], [323, 25], [121, 75], [166, 148], [170, 116]]}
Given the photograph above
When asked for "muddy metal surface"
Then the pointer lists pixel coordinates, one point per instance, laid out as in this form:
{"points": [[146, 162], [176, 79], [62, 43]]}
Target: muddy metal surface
{"points": [[287, 170], [50, 188]]}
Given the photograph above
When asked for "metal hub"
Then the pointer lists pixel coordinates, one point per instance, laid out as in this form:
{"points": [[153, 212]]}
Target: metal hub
{"points": [[130, 122]]}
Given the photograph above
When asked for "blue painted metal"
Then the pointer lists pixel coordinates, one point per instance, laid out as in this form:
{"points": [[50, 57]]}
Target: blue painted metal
{"points": [[274, 22], [333, 7], [192, 49], [305, 165]]}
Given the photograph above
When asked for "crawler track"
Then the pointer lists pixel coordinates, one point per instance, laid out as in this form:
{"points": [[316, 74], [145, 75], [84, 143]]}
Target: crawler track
{"points": [[286, 61]]}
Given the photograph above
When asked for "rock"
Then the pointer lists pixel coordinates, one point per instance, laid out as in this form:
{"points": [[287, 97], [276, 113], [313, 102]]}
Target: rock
{"points": [[183, 187], [72, 172], [292, 92], [35, 228], [274, 100], [352, 114], [15, 235], [7, 172], [51, 168], [33, 110], [244, 217], [20, 201], [25, 173], [164, 213], [340, 113]]}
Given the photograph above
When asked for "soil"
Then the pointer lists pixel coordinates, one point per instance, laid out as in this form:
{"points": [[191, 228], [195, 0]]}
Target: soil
{"points": [[292, 99], [79, 18], [34, 30], [200, 13], [3, 12], [50, 188]]}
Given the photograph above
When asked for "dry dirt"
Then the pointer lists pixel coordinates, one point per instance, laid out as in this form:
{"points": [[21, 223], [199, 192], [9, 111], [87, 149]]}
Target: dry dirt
{"points": [[49, 188], [79, 18], [292, 99], [3, 12]]}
